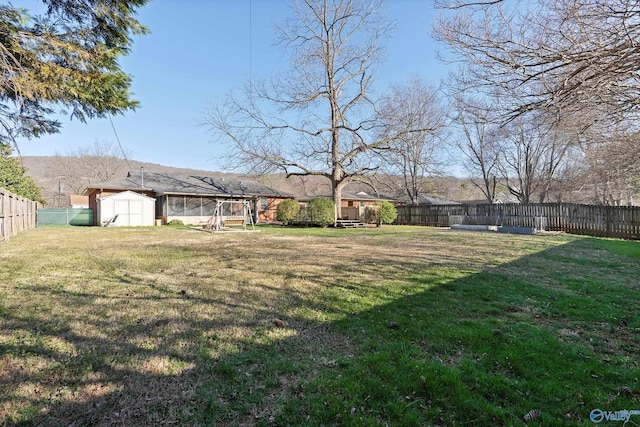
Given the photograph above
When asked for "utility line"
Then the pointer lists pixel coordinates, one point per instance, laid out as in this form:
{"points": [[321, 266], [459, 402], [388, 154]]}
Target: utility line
{"points": [[251, 50], [124, 155]]}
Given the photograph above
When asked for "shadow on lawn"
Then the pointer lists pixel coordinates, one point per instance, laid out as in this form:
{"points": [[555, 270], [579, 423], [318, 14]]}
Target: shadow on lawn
{"points": [[551, 332]]}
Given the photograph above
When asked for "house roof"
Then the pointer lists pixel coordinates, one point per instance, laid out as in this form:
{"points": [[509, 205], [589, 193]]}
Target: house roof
{"points": [[195, 185], [359, 196], [434, 200], [501, 197]]}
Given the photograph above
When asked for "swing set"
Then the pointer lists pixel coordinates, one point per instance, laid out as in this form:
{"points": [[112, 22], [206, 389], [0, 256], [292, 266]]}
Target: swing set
{"points": [[228, 214]]}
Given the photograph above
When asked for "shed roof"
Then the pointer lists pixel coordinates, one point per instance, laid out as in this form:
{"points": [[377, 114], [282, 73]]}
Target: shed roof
{"points": [[198, 185], [128, 195]]}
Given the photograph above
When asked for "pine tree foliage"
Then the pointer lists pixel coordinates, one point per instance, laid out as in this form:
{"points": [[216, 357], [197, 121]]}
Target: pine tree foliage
{"points": [[65, 59], [13, 176]]}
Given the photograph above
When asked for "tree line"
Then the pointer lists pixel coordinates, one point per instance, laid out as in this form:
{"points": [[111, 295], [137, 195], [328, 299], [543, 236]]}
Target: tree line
{"points": [[546, 95]]}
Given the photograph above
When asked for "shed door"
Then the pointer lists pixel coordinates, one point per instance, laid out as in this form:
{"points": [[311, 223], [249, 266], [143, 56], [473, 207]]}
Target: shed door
{"points": [[129, 212], [135, 212], [121, 208]]}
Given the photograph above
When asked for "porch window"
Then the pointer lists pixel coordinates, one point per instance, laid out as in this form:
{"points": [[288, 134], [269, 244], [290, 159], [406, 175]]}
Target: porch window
{"points": [[193, 206], [176, 206], [208, 206], [233, 208]]}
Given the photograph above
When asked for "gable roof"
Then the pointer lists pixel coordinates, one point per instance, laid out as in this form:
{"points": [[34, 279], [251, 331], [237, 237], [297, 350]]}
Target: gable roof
{"points": [[194, 185], [423, 199], [500, 197], [350, 195], [128, 195], [347, 194]]}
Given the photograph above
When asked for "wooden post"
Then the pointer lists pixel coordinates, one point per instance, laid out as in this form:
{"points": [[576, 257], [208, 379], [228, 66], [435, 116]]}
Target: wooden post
{"points": [[4, 212]]}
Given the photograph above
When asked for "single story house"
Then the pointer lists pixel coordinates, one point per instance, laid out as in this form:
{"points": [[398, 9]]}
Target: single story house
{"points": [[354, 202], [192, 199]]}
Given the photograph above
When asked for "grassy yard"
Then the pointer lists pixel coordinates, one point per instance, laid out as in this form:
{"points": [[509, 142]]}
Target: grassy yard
{"points": [[393, 326]]}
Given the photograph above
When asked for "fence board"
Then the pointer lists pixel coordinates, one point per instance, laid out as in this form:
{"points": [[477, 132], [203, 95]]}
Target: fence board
{"points": [[17, 214], [593, 220]]}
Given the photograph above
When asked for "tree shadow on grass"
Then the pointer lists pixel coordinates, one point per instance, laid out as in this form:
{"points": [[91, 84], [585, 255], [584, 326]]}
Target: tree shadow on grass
{"points": [[551, 335]]}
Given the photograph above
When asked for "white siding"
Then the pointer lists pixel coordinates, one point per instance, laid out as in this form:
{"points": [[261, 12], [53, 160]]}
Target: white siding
{"points": [[133, 209]]}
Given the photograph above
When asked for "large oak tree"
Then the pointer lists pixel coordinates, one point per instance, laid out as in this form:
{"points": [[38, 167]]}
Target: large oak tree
{"points": [[320, 118]]}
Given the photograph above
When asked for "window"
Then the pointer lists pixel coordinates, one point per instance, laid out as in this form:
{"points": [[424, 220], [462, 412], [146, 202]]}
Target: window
{"points": [[193, 206], [208, 206], [233, 208], [176, 206]]}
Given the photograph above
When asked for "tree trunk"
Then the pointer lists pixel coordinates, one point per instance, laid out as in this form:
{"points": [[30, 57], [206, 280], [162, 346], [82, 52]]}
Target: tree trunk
{"points": [[336, 193]]}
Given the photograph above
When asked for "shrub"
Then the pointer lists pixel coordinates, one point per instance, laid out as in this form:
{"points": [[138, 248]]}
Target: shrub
{"points": [[175, 222], [371, 214], [388, 213], [382, 212], [321, 211], [287, 211]]}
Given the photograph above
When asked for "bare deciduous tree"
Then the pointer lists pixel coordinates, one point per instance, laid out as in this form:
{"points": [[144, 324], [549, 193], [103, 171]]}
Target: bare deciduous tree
{"points": [[611, 167], [478, 144], [553, 55], [415, 155], [91, 164], [531, 156], [319, 119]]}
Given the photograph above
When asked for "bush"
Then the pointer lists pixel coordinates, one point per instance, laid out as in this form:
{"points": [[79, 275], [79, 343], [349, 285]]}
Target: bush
{"points": [[382, 212], [321, 211], [370, 214], [287, 211], [175, 222]]}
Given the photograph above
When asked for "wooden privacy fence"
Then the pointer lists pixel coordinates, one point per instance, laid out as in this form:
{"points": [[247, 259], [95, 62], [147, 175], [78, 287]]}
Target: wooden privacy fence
{"points": [[592, 220], [17, 214]]}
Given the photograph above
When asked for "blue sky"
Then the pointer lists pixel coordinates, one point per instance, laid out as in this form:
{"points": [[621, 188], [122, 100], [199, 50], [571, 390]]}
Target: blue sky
{"points": [[200, 50]]}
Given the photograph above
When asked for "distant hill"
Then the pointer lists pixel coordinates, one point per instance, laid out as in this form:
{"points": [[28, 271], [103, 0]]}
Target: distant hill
{"points": [[62, 176], [41, 166]]}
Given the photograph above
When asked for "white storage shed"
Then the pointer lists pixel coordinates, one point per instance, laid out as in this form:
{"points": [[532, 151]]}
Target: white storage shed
{"points": [[126, 209]]}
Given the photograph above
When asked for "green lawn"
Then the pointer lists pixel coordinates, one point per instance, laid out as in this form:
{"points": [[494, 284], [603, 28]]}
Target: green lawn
{"points": [[393, 326]]}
